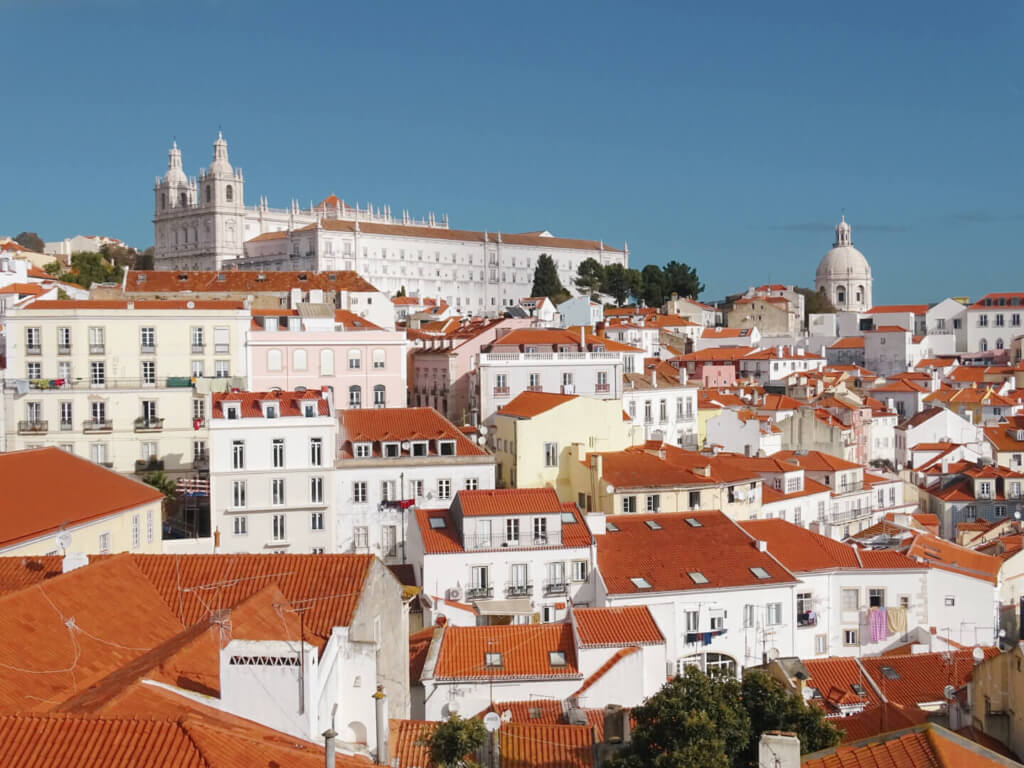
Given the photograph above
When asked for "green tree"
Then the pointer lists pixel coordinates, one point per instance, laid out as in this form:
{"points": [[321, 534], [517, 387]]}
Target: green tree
{"points": [[815, 303], [53, 268], [682, 279], [545, 279], [401, 293], [589, 276], [30, 240], [88, 268], [652, 285], [694, 721], [162, 483], [621, 283], [454, 741], [772, 708]]}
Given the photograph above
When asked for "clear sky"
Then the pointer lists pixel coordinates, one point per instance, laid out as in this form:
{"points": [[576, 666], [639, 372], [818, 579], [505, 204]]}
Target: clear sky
{"points": [[726, 135]]}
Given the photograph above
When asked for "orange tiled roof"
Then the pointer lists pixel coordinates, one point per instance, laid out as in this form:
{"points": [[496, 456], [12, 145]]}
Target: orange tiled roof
{"points": [[166, 281], [716, 355], [289, 403], [525, 652], [529, 745], [556, 337], [407, 742], [816, 461], [948, 556], [920, 678], [665, 557], [33, 505], [162, 304], [509, 501], [888, 309], [849, 342], [376, 425], [616, 626], [924, 746], [801, 550], [528, 404]]}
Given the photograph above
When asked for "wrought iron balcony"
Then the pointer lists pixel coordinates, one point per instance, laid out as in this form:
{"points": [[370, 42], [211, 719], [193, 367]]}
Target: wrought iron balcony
{"points": [[147, 349], [144, 424], [94, 425], [197, 349], [33, 349], [63, 349], [479, 593], [518, 590], [501, 391], [97, 349], [149, 465], [556, 587], [602, 387], [33, 427]]}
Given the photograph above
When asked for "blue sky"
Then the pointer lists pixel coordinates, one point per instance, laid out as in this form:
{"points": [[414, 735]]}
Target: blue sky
{"points": [[726, 135]]}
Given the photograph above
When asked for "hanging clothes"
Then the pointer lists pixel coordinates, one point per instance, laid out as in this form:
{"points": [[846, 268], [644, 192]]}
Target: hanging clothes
{"points": [[879, 623], [897, 620]]}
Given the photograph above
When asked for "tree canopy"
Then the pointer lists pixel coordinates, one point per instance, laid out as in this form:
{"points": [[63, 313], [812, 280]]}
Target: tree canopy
{"points": [[653, 284], [87, 268], [454, 741], [715, 721], [30, 240], [682, 279], [815, 303], [589, 276], [546, 281], [621, 283]]}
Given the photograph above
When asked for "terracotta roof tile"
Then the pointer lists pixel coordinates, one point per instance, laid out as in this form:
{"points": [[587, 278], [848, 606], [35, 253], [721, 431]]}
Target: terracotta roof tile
{"points": [[526, 405], [407, 743], [378, 425], [289, 403], [801, 550], [33, 505], [921, 678], [529, 745], [664, 557], [816, 461], [616, 626], [165, 281], [509, 501], [83, 305], [939, 553], [525, 652], [888, 309]]}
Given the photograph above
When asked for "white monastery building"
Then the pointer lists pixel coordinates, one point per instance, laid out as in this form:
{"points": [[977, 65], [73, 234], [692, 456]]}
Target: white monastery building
{"points": [[204, 224]]}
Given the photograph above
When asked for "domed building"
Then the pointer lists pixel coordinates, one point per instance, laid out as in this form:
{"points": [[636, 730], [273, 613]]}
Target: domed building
{"points": [[844, 275]]}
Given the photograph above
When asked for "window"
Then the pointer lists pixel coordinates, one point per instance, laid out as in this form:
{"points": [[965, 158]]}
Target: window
{"points": [[66, 414], [567, 378], [479, 577], [277, 491], [512, 531], [850, 600], [63, 340], [359, 491], [361, 537], [316, 490], [692, 621], [274, 360], [355, 359], [472, 483], [355, 396], [389, 540], [299, 360], [362, 450], [419, 448], [379, 358], [237, 454], [197, 369], [444, 489], [229, 193], [821, 644], [278, 528], [277, 452], [694, 499], [501, 382], [760, 572], [849, 637], [316, 456], [697, 577], [221, 337], [104, 545], [534, 385], [198, 339], [949, 601], [663, 411], [97, 338], [717, 623], [773, 614], [136, 534], [540, 530], [221, 369], [326, 362], [803, 603], [379, 396], [654, 502], [580, 570], [97, 372], [147, 339], [628, 505], [550, 454], [238, 494], [876, 598], [316, 521], [648, 418], [240, 525]]}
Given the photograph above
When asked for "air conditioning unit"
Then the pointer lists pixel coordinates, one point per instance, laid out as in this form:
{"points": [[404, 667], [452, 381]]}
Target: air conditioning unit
{"points": [[455, 594]]}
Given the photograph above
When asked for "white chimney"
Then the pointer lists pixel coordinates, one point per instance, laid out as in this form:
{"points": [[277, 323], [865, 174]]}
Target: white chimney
{"points": [[73, 560], [780, 349], [583, 339], [380, 700], [654, 378], [762, 546], [945, 465], [778, 749]]}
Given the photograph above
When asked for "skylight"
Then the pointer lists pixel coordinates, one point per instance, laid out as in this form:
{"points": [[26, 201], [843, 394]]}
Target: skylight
{"points": [[567, 517], [557, 658], [698, 577], [694, 522], [492, 659], [640, 582], [760, 573], [890, 673], [858, 689], [652, 525], [437, 522], [611, 527]]}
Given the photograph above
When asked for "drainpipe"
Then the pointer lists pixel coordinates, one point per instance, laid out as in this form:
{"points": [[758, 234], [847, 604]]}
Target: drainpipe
{"points": [[329, 736], [381, 704]]}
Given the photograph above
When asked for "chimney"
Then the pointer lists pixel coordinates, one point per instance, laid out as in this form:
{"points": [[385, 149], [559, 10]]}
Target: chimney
{"points": [[762, 546], [381, 705], [778, 749], [329, 735], [583, 339], [945, 465], [654, 376]]}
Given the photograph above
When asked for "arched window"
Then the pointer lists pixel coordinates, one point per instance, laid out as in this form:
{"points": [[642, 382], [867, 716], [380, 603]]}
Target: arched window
{"points": [[709, 663], [860, 293], [273, 359], [379, 396], [983, 345], [326, 362], [163, 200], [195, 234], [999, 343], [299, 360], [184, 200], [184, 234], [208, 193], [355, 396], [229, 193], [841, 294], [379, 358], [355, 359]]}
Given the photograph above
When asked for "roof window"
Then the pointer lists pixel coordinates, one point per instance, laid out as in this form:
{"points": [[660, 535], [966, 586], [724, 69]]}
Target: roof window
{"points": [[760, 573], [611, 527], [640, 582], [446, 447], [183, 276], [332, 277], [698, 577], [437, 522], [652, 525], [568, 517], [141, 278], [492, 660], [858, 689], [557, 658], [221, 277], [890, 673], [693, 522], [261, 277], [302, 277]]}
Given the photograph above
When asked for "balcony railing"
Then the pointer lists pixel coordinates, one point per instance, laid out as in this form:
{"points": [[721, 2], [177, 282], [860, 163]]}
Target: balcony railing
{"points": [[149, 465], [33, 427], [501, 391], [147, 349], [93, 425], [841, 489], [201, 463], [535, 388], [556, 587], [33, 349], [497, 542], [105, 383], [479, 593], [97, 349], [152, 424], [63, 349], [518, 590], [67, 426], [602, 387], [221, 348]]}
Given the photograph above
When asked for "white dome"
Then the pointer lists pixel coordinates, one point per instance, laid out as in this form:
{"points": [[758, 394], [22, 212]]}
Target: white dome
{"points": [[844, 261], [220, 162], [175, 174], [844, 275]]}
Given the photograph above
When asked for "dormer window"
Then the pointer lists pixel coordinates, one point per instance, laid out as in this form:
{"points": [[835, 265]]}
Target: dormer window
{"points": [[309, 409], [1020, 435], [231, 411], [556, 658], [446, 447], [270, 411], [392, 450], [362, 450], [419, 448]]}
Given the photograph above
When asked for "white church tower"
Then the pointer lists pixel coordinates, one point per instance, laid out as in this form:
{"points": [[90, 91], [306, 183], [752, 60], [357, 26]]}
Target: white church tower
{"points": [[844, 275], [198, 225]]}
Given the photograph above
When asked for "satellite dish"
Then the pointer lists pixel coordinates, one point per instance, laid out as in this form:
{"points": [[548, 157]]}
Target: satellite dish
{"points": [[191, 305], [405, 445], [773, 653], [63, 541], [977, 654], [506, 716], [492, 721], [949, 691], [610, 488], [453, 707], [483, 429], [481, 440], [1002, 633]]}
